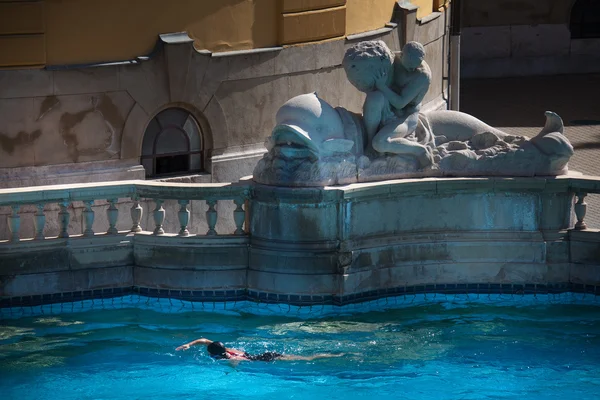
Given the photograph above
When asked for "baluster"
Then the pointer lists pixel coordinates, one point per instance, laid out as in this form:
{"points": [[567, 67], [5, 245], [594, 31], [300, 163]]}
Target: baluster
{"points": [[64, 218], [239, 216], [184, 217], [14, 223], [580, 210], [112, 214], [88, 218], [136, 214], [159, 217], [39, 221], [211, 217]]}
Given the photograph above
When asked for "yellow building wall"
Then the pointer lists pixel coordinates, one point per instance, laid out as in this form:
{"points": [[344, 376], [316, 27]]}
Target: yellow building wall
{"points": [[291, 6], [367, 15], [22, 34], [56, 32], [91, 31], [425, 7], [311, 20]]}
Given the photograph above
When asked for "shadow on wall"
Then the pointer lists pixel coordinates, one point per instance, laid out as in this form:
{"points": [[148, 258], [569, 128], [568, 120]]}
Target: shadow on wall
{"points": [[521, 102], [595, 144]]}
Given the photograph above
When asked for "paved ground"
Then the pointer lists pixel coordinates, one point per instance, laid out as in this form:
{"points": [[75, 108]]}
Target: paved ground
{"points": [[517, 105]]}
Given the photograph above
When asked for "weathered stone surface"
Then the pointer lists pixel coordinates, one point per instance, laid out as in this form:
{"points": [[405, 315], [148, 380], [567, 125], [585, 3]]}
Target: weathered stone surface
{"points": [[487, 213], [586, 274], [133, 132], [292, 283], [147, 83], [86, 80], [103, 252], [219, 122], [189, 279], [245, 104], [429, 31], [66, 281], [208, 73], [434, 57], [326, 241], [296, 59], [526, 12], [85, 172], [178, 59], [66, 121], [18, 133], [585, 47], [485, 42], [527, 49], [329, 54], [233, 163], [530, 66], [252, 66], [540, 40], [25, 83]]}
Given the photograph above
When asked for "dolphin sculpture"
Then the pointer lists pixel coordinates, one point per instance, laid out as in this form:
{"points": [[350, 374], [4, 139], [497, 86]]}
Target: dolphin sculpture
{"points": [[313, 144], [307, 126]]}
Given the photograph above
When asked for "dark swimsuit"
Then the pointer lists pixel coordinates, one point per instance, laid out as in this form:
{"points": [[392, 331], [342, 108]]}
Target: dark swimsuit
{"points": [[267, 356]]}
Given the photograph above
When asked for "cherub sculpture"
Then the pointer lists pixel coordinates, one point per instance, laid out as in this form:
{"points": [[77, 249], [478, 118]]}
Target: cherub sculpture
{"points": [[395, 86], [315, 144]]}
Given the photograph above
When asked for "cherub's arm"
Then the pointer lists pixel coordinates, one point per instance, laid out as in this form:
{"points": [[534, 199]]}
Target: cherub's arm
{"points": [[415, 89]]}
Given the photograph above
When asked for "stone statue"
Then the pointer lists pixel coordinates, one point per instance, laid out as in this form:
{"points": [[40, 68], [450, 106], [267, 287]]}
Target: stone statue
{"points": [[314, 144], [395, 87]]}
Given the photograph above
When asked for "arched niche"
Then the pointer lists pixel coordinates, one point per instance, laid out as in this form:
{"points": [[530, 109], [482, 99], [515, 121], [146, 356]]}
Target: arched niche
{"points": [[173, 144], [585, 19]]}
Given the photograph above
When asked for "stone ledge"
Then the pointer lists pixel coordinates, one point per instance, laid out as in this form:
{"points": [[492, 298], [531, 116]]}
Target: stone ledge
{"points": [[68, 174], [65, 281], [186, 279], [412, 238], [369, 34]]}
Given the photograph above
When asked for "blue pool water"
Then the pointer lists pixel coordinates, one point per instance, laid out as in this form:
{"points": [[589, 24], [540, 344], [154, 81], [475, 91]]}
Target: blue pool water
{"points": [[436, 350]]}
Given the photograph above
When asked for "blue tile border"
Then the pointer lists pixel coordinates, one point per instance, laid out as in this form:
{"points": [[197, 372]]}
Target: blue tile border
{"points": [[170, 305], [261, 297]]}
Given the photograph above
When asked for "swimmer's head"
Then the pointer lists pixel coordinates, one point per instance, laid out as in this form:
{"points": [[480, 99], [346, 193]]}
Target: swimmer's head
{"points": [[217, 350], [413, 54]]}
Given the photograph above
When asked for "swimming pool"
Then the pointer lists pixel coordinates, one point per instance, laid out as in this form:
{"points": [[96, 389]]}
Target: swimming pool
{"points": [[467, 349]]}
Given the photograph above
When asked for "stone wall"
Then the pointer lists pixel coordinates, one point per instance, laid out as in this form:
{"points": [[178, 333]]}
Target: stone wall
{"points": [[521, 38], [433, 32], [87, 124], [327, 245]]}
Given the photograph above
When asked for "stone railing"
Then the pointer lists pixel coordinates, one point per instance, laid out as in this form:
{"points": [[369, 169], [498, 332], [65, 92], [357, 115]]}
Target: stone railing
{"points": [[584, 241], [51, 209], [332, 245], [581, 188]]}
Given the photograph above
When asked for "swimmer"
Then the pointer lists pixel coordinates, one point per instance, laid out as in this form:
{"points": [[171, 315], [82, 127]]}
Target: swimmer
{"points": [[219, 352]]}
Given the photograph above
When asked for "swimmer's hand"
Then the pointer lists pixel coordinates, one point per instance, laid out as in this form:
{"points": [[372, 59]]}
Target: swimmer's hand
{"points": [[183, 347]]}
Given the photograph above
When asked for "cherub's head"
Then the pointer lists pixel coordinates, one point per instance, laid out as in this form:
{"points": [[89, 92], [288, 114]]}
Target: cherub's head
{"points": [[364, 61], [413, 54]]}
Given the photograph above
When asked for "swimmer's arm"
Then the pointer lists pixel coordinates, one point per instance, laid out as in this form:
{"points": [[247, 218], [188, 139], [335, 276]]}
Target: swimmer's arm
{"points": [[202, 341]]}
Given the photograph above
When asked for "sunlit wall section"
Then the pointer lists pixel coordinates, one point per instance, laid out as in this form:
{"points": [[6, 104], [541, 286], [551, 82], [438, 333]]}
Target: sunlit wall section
{"points": [[22, 34]]}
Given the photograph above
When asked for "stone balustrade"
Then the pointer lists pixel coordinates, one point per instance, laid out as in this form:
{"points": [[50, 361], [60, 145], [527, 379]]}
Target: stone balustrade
{"points": [[298, 245], [135, 193]]}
